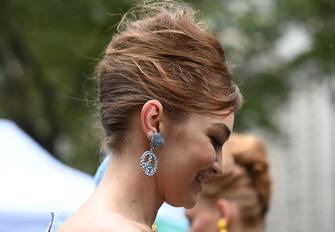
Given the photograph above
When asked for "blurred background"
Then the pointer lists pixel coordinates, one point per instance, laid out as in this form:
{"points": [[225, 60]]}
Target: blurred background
{"points": [[281, 53]]}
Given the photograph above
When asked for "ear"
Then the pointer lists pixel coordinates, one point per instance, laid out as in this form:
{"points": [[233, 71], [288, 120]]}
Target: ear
{"points": [[226, 210], [151, 117]]}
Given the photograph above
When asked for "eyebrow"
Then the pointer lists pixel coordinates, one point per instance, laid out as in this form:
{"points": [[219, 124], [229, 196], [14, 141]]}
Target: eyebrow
{"points": [[223, 128]]}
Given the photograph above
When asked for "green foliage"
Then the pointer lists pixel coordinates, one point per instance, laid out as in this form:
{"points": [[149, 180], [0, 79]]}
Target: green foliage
{"points": [[48, 51], [250, 32]]}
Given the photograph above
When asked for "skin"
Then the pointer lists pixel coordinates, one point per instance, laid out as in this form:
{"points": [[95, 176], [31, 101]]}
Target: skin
{"points": [[127, 199]]}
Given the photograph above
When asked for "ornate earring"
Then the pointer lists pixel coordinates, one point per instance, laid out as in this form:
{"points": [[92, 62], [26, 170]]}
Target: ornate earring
{"points": [[222, 225], [148, 160]]}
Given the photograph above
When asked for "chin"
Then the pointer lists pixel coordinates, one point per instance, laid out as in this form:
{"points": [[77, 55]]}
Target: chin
{"points": [[189, 206], [187, 199], [185, 204], [190, 202]]}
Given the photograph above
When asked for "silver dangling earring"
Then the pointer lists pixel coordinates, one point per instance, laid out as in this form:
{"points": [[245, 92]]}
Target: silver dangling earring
{"points": [[148, 160]]}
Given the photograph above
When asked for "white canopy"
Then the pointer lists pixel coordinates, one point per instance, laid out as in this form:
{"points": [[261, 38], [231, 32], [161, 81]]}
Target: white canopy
{"points": [[33, 183]]}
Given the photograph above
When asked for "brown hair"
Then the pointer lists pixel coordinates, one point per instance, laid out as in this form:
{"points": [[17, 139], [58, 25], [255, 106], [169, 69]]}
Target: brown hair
{"points": [[246, 180], [164, 55]]}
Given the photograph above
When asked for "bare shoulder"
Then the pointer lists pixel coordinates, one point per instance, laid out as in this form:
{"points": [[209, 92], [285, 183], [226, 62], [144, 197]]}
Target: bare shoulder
{"points": [[117, 223], [102, 223]]}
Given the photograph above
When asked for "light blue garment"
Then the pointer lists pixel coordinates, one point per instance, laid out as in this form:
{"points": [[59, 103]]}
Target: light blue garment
{"points": [[101, 170], [168, 219]]}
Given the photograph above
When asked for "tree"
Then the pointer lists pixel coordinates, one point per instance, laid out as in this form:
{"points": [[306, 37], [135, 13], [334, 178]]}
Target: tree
{"points": [[48, 52]]}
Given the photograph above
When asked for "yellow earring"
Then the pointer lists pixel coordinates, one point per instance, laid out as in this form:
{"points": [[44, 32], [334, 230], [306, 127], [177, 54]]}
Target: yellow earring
{"points": [[154, 227], [222, 225]]}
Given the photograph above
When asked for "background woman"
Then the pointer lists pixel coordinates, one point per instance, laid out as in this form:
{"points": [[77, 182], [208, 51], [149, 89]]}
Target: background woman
{"points": [[238, 200]]}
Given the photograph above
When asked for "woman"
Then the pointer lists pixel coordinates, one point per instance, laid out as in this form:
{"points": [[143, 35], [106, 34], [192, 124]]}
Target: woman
{"points": [[167, 105], [238, 200]]}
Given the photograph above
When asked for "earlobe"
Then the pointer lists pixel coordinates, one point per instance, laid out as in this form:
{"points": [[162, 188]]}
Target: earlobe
{"points": [[151, 115], [223, 206], [230, 212]]}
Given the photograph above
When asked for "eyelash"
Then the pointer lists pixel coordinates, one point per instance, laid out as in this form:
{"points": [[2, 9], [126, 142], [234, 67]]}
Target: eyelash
{"points": [[216, 144]]}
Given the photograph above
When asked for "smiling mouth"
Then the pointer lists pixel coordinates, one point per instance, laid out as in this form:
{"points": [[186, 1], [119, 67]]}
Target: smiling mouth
{"points": [[197, 178]]}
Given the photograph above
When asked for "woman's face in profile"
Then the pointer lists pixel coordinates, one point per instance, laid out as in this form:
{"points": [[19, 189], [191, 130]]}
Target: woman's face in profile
{"points": [[191, 154]]}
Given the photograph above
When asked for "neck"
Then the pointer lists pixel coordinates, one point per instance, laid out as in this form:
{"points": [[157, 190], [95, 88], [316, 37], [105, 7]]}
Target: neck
{"points": [[258, 227], [127, 191]]}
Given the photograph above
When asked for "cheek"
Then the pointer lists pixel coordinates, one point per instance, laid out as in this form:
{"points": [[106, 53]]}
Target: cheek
{"points": [[195, 151], [203, 154], [184, 155]]}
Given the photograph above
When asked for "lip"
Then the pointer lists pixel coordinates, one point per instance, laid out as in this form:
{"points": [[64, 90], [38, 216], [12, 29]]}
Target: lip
{"points": [[197, 186]]}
